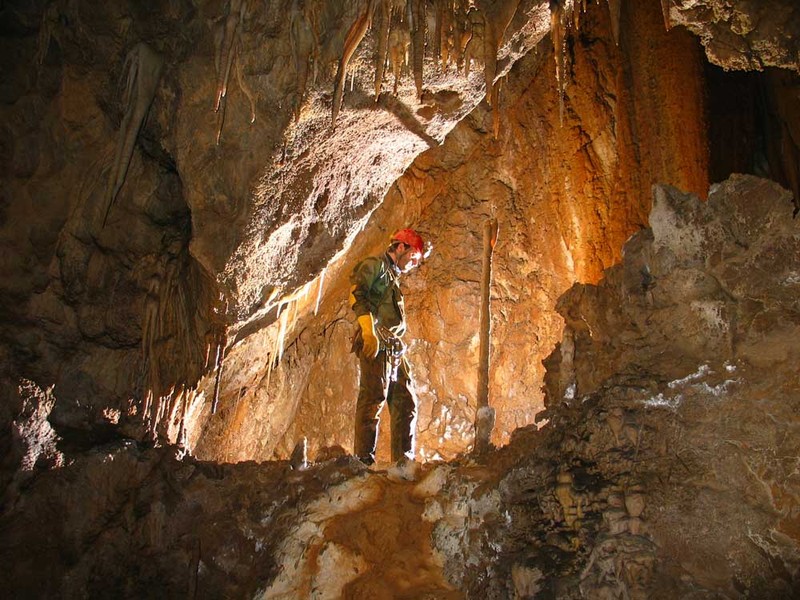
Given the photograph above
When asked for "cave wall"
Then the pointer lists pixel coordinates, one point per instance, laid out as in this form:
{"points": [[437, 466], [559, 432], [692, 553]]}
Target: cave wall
{"points": [[122, 298], [228, 230], [75, 291], [667, 468], [740, 34], [566, 195]]}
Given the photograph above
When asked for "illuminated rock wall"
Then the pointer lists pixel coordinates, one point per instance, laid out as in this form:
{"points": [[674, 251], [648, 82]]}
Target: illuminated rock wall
{"points": [[176, 205], [566, 196], [667, 468]]}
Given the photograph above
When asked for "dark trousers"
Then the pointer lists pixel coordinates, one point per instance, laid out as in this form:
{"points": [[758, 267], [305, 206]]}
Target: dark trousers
{"points": [[375, 389]]}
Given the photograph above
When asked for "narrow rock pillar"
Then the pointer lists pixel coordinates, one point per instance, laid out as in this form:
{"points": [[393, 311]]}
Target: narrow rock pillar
{"points": [[484, 418]]}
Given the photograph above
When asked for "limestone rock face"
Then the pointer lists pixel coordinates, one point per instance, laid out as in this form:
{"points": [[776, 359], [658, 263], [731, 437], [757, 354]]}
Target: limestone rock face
{"points": [[171, 184], [624, 115], [684, 262], [171, 176], [666, 468], [742, 34]]}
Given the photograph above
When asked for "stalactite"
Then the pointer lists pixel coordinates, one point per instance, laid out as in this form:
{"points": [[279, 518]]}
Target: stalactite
{"points": [[279, 339], [320, 286], [220, 121], [462, 33], [399, 42], [173, 407], [496, 112], [665, 6], [270, 364], [147, 403], [614, 9], [46, 30], [440, 10], [418, 24], [475, 45], [227, 47], [497, 16], [384, 16], [221, 342], [353, 38], [246, 90], [491, 44], [304, 40], [458, 31], [449, 37], [176, 341], [226, 55], [182, 441], [143, 71], [578, 9], [195, 401]]}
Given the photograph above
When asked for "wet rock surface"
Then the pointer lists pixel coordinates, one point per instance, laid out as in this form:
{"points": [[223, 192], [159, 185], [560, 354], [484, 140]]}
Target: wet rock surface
{"points": [[666, 468]]}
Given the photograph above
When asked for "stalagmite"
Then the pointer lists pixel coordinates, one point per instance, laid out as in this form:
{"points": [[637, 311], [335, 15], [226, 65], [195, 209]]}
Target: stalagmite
{"points": [[354, 36], [143, 67], [484, 420], [299, 457]]}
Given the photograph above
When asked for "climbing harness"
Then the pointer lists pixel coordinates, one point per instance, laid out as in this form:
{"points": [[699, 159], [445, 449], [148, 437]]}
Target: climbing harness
{"points": [[394, 348]]}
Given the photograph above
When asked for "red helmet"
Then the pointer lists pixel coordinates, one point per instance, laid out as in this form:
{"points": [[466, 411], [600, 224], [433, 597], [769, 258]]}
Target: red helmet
{"points": [[410, 238]]}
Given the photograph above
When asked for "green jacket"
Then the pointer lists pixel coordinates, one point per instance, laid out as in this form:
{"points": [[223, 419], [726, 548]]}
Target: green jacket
{"points": [[375, 290]]}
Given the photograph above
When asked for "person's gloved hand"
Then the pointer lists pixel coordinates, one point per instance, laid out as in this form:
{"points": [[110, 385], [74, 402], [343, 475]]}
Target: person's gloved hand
{"points": [[368, 335]]}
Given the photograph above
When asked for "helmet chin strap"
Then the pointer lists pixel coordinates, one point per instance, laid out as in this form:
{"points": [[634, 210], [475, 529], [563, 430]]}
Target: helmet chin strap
{"points": [[397, 257]]}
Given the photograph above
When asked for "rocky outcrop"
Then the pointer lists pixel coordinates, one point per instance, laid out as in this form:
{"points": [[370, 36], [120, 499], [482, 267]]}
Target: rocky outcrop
{"points": [[740, 34], [718, 276], [670, 404], [666, 467]]}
